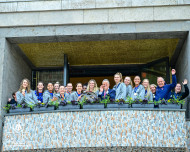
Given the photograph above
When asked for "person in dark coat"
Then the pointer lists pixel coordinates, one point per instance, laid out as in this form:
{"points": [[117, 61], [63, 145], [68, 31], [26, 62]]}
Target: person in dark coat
{"points": [[178, 93], [13, 100], [106, 91]]}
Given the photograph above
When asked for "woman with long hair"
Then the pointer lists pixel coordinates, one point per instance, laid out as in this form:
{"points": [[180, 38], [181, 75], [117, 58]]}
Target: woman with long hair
{"points": [[56, 88], [76, 95], [148, 93], [25, 94], [153, 90], [129, 86], [138, 91], [39, 91], [92, 87], [119, 87]]}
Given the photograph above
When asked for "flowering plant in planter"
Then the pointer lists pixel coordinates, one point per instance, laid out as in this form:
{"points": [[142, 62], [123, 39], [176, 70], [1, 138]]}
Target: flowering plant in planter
{"points": [[31, 106], [106, 100], [7, 108], [54, 102], [120, 101], [176, 101], [129, 100], [81, 102]]}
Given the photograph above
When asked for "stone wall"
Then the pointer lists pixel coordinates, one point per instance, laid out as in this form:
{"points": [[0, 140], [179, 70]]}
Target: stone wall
{"points": [[96, 129]]}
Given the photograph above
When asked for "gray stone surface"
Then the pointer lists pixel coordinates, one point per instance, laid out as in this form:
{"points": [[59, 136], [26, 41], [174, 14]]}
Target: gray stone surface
{"points": [[12, 70], [95, 129], [44, 5], [97, 16]]}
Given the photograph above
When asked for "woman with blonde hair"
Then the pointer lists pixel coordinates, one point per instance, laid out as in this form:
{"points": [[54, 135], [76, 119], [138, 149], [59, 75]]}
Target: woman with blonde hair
{"points": [[148, 93], [92, 87], [129, 86], [119, 87], [25, 94], [153, 90]]}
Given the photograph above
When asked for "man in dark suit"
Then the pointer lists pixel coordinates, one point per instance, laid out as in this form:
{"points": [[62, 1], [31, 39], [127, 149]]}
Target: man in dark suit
{"points": [[105, 91]]}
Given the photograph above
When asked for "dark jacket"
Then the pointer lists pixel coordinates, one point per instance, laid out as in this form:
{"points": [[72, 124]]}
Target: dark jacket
{"points": [[181, 95], [163, 92], [12, 102], [111, 94]]}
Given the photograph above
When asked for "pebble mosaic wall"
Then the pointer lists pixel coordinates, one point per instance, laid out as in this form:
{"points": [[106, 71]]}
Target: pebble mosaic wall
{"points": [[96, 129]]}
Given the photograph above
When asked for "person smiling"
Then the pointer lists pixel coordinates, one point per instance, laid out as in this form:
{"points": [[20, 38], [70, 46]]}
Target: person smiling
{"points": [[39, 91], [61, 96], [153, 90], [92, 87], [178, 93], [25, 94], [119, 87], [48, 94], [129, 86], [105, 91], [148, 93], [138, 91], [56, 88], [163, 90], [76, 95]]}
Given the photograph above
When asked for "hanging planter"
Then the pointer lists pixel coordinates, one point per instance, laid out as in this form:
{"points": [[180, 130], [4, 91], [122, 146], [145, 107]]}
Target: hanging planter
{"points": [[118, 105], [93, 106], [69, 105], [170, 106], [19, 110]]}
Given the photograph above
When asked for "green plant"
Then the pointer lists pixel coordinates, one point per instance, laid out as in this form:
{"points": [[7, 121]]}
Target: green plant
{"points": [[69, 102], [19, 106], [7, 107], [106, 100], [129, 100], [177, 100], [54, 103], [82, 102], [31, 105]]}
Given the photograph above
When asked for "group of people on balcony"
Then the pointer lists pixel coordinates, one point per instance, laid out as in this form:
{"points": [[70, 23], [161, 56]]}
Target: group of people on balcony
{"points": [[121, 90]]}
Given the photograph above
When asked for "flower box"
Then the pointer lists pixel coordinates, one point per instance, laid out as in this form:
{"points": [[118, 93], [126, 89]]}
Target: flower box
{"points": [[68, 106], [139, 105], [118, 105], [170, 106], [93, 106], [19, 110], [49, 108]]}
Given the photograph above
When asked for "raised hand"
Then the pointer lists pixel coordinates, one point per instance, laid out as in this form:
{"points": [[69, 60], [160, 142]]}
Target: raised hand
{"points": [[185, 81], [101, 88], [173, 71]]}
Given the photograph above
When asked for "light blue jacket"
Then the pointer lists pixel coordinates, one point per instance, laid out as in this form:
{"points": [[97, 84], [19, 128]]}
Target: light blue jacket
{"points": [[74, 96], [47, 96], [120, 90], [140, 93], [68, 97], [150, 97], [29, 98], [128, 90]]}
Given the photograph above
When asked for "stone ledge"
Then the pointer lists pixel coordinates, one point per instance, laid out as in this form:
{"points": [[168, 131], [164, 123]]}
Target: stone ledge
{"points": [[96, 16], [106, 109], [44, 5]]}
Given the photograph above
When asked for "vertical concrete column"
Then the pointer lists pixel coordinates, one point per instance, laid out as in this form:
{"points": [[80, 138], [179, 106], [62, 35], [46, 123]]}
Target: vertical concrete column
{"points": [[66, 70], [2, 54], [183, 70]]}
